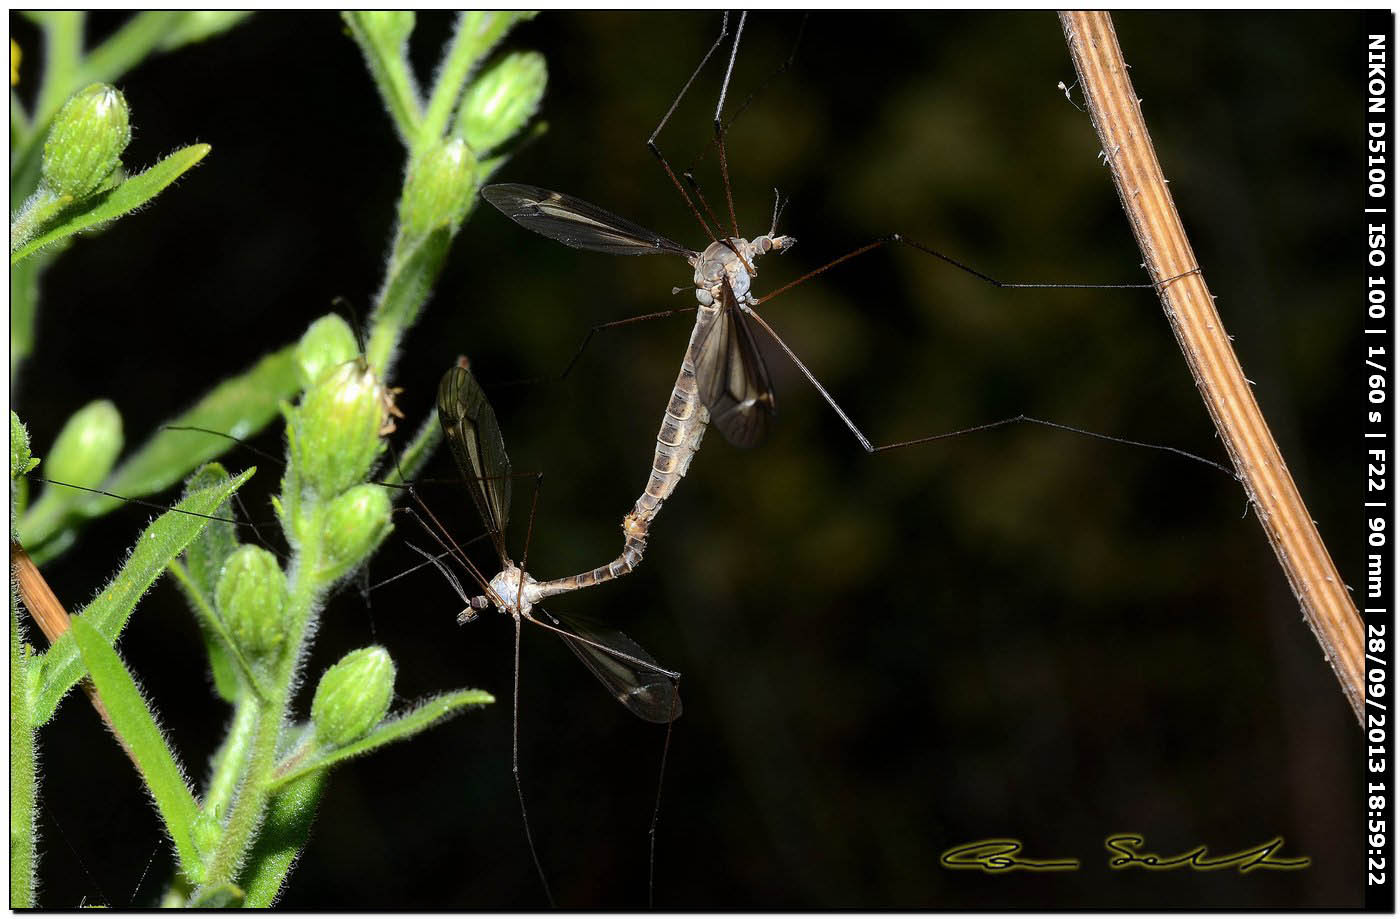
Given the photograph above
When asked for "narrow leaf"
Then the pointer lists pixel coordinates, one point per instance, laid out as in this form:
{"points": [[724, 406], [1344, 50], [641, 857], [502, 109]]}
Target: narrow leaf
{"points": [[158, 546], [110, 205], [137, 730], [283, 836], [238, 407], [390, 730]]}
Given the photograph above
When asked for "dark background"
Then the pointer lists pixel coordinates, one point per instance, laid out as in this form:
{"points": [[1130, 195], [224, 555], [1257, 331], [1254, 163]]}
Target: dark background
{"points": [[1019, 633]]}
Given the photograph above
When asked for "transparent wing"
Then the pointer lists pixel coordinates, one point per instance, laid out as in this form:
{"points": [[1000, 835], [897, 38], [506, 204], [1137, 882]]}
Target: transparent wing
{"points": [[577, 223], [733, 380], [626, 669], [469, 424]]}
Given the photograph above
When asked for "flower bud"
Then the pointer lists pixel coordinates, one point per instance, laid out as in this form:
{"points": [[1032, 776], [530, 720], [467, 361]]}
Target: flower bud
{"points": [[251, 594], [87, 446], [353, 696], [328, 342], [21, 461], [335, 429], [502, 100], [86, 141], [356, 522], [440, 187]]}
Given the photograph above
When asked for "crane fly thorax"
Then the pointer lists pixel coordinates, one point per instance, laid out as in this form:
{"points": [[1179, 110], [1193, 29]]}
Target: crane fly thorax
{"points": [[734, 260], [515, 591]]}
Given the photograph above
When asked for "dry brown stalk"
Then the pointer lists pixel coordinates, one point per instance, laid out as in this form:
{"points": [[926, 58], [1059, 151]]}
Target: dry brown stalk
{"points": [[1190, 309]]}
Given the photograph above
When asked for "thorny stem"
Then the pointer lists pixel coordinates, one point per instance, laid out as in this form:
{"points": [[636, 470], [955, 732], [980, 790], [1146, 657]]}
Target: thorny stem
{"points": [[1190, 310]]}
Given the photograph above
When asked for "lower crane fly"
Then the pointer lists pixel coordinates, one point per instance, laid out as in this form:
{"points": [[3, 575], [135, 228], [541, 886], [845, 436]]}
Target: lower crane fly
{"points": [[630, 674], [624, 667]]}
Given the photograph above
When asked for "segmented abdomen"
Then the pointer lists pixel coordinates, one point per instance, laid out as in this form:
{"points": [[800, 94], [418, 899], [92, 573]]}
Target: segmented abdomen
{"points": [[682, 429]]}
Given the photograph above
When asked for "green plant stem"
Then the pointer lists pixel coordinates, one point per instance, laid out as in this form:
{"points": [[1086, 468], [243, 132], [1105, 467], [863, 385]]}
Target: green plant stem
{"points": [[304, 594], [232, 756], [452, 75], [412, 271], [133, 42], [63, 51], [389, 70], [24, 303], [24, 775], [247, 811], [37, 210]]}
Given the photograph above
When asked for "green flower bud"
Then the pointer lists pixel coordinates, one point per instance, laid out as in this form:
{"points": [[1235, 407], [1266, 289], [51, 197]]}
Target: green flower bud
{"points": [[335, 429], [87, 446], [502, 100], [353, 696], [20, 459], [440, 187], [86, 141], [251, 594], [328, 342], [356, 522]]}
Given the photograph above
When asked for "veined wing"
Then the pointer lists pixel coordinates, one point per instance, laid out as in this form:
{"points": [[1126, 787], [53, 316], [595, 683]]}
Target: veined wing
{"points": [[733, 380], [577, 223], [469, 424], [626, 669]]}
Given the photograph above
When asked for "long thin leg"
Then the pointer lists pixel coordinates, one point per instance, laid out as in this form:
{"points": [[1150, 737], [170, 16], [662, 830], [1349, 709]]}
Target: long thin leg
{"points": [[719, 128], [906, 241], [868, 447], [656, 809], [713, 234], [515, 766], [617, 323], [762, 88]]}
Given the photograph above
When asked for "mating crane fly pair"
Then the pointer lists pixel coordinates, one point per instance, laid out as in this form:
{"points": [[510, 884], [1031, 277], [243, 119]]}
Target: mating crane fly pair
{"points": [[722, 380]]}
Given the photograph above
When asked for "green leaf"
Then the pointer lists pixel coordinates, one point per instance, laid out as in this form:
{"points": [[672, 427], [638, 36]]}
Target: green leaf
{"points": [[198, 25], [225, 663], [238, 407], [391, 730], [207, 554], [127, 196], [219, 896], [283, 836], [205, 560], [136, 729], [157, 547]]}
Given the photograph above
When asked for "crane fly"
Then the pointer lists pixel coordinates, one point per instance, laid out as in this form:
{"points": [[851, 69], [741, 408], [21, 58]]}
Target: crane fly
{"points": [[630, 674], [723, 379]]}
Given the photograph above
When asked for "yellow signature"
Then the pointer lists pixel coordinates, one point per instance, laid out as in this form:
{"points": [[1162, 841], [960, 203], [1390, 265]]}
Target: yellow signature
{"points": [[996, 856]]}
